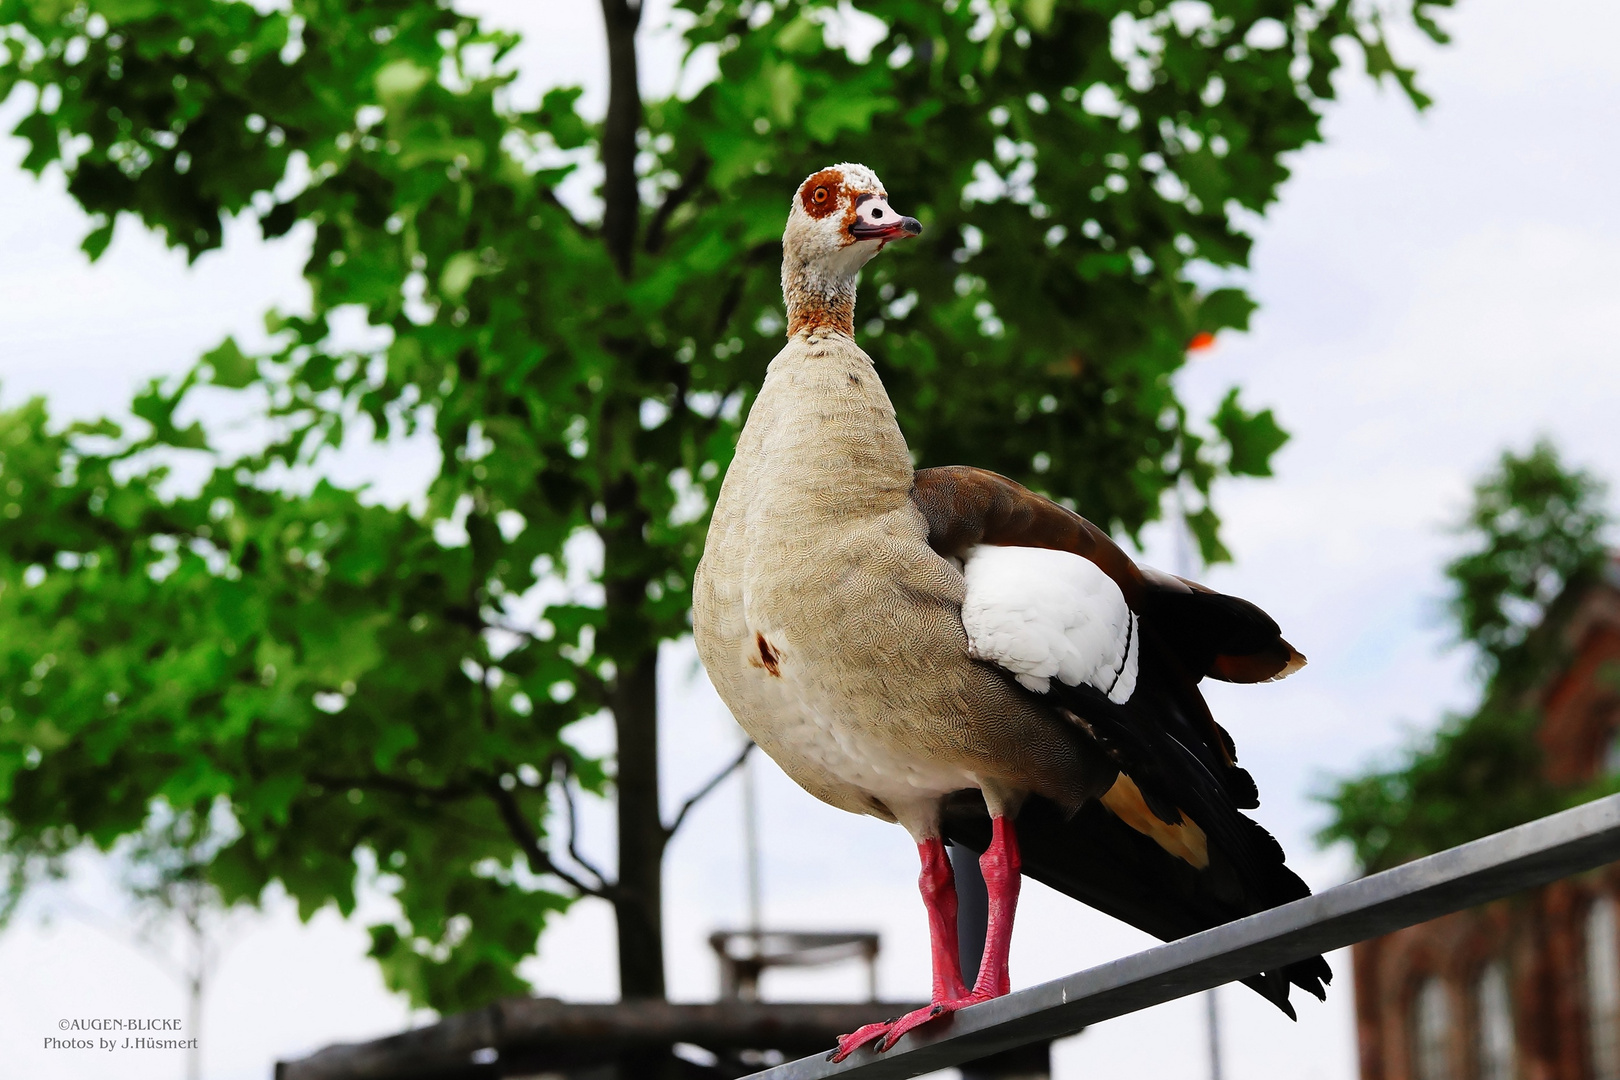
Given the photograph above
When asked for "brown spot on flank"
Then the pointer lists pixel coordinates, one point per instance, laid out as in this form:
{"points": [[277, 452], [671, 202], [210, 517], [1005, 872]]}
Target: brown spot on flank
{"points": [[819, 195], [767, 656]]}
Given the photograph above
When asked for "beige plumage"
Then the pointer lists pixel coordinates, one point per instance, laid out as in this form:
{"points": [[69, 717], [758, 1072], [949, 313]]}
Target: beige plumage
{"points": [[832, 629]]}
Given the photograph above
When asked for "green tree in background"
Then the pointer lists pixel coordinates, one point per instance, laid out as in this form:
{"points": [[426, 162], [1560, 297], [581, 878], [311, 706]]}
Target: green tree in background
{"points": [[166, 869], [363, 684], [1540, 529], [1537, 528]]}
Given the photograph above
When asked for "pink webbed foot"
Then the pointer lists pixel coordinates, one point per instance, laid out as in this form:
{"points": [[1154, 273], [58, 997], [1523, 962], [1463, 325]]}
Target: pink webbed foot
{"points": [[922, 1016], [887, 1033], [848, 1044]]}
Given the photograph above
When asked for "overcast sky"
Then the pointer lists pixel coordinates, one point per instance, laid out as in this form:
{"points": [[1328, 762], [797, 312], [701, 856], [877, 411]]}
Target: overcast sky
{"points": [[1433, 289]]}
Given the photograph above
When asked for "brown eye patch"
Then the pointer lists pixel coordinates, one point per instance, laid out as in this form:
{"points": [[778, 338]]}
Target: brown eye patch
{"points": [[819, 195]]}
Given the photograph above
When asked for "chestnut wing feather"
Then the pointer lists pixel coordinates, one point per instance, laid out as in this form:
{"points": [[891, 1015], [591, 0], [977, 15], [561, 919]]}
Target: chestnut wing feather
{"points": [[1218, 636]]}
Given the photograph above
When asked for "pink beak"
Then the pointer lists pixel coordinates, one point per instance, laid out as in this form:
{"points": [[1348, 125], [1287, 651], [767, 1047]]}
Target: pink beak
{"points": [[876, 220]]}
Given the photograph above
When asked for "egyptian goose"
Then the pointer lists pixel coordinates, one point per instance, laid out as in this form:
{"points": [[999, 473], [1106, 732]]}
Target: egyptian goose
{"points": [[934, 647]]}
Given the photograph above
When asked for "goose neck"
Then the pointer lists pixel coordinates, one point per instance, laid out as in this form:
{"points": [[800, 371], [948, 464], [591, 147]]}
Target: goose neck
{"points": [[819, 297]]}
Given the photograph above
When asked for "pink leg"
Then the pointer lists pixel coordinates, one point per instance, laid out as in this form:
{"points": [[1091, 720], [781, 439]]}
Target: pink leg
{"points": [[1000, 864], [1001, 867], [938, 888]]}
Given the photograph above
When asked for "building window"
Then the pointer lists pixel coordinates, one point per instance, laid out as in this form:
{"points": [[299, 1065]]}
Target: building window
{"points": [[1611, 755], [1494, 1051], [1603, 990], [1431, 1032]]}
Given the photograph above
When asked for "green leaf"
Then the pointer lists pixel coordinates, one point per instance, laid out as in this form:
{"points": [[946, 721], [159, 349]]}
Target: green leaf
{"points": [[399, 81], [1225, 309], [1252, 437], [828, 116], [802, 36], [1039, 13], [158, 408], [785, 89], [96, 241], [418, 150], [559, 117], [1205, 528], [393, 740], [231, 368], [121, 12], [458, 274]]}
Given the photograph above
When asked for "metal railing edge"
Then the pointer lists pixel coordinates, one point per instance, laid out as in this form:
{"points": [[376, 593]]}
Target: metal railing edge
{"points": [[1489, 868]]}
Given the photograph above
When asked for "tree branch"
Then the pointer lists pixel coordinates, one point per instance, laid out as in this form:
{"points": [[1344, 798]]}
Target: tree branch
{"points": [[621, 201], [696, 173], [528, 840], [704, 791], [580, 227], [573, 821]]}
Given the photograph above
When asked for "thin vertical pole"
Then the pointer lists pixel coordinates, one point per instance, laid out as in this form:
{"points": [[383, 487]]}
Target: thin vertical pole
{"points": [[1183, 535], [972, 909], [194, 987], [1184, 568], [751, 844]]}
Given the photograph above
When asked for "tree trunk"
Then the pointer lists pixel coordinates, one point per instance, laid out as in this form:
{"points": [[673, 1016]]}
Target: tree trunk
{"points": [[627, 638], [639, 894], [621, 202], [638, 909]]}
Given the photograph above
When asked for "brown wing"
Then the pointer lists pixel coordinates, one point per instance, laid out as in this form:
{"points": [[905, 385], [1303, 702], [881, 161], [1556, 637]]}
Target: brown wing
{"points": [[1220, 636], [1168, 849], [967, 506]]}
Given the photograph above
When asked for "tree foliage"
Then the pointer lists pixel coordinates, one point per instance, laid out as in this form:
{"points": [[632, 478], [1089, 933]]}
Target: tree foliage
{"points": [[1538, 528], [309, 659], [353, 678]]}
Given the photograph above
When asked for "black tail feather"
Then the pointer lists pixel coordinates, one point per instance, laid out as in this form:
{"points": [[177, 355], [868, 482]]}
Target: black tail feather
{"points": [[1182, 762], [1215, 635], [1095, 858], [1165, 739]]}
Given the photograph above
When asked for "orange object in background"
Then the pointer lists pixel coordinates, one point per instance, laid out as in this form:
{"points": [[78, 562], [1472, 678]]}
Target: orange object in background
{"points": [[1201, 340]]}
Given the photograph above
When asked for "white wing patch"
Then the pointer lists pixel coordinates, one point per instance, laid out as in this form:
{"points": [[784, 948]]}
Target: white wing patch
{"points": [[1045, 614]]}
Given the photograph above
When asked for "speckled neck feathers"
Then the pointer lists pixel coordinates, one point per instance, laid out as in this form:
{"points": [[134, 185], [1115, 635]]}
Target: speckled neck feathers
{"points": [[816, 299]]}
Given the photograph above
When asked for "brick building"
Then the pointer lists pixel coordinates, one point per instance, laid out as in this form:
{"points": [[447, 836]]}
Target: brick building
{"points": [[1527, 988]]}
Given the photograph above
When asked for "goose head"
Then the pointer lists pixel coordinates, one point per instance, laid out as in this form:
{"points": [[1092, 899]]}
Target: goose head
{"points": [[840, 217]]}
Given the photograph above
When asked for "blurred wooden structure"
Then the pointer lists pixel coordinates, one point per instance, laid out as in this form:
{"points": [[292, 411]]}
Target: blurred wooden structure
{"points": [[546, 1039], [543, 1037], [745, 955]]}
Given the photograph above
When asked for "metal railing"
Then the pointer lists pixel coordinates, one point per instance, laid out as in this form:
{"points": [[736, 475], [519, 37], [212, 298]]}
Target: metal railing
{"points": [[1486, 869]]}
